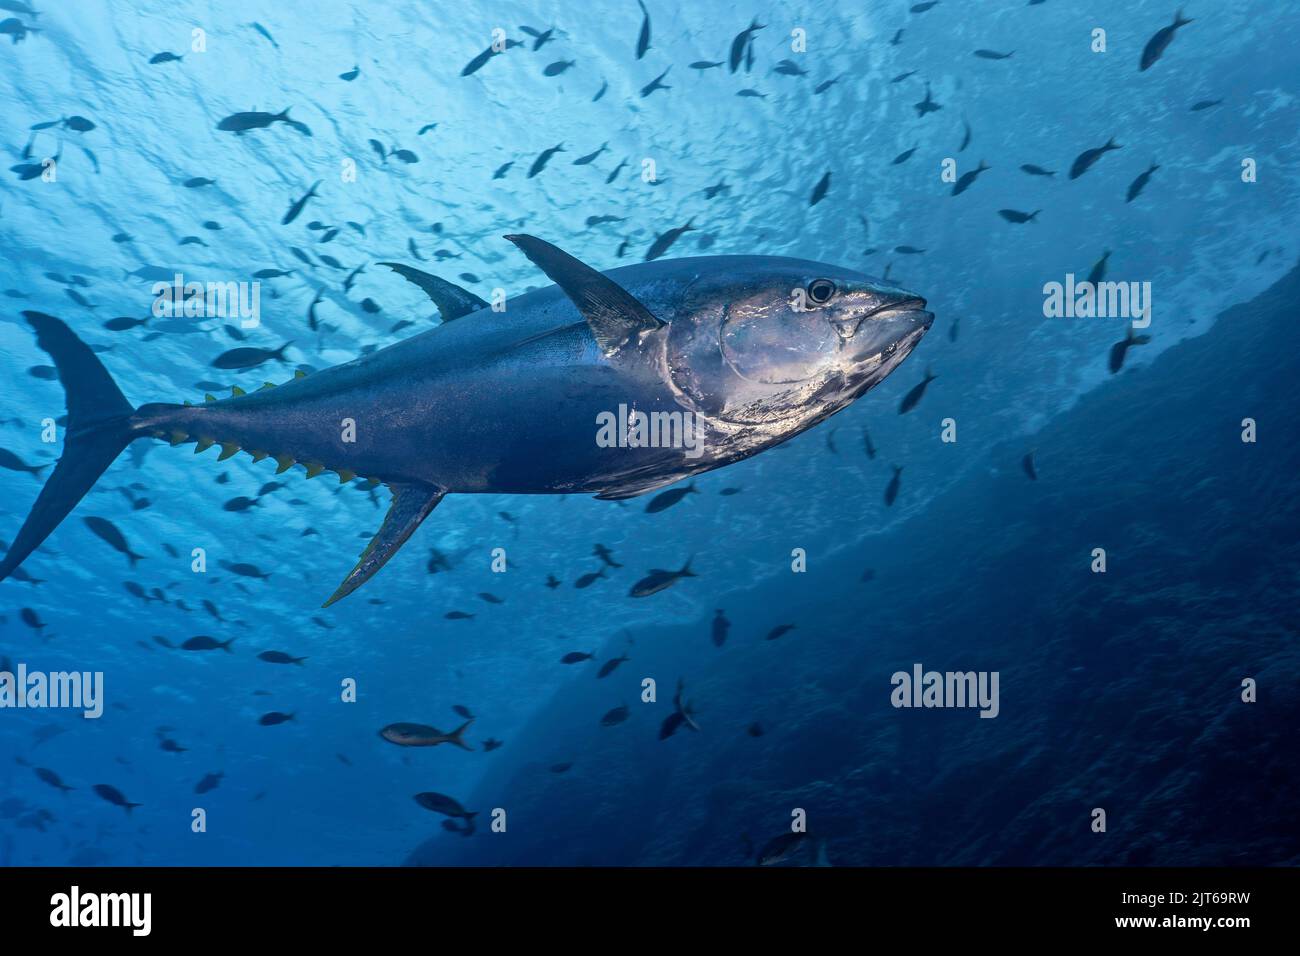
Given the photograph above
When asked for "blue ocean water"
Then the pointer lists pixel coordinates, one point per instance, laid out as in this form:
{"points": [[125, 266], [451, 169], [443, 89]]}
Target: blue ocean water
{"points": [[1119, 691]]}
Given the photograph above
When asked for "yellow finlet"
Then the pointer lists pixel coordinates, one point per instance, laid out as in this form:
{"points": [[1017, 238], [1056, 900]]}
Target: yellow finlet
{"points": [[236, 391], [209, 397], [259, 455], [299, 373], [285, 462], [178, 438], [203, 445], [314, 468], [266, 385], [228, 448], [345, 476]]}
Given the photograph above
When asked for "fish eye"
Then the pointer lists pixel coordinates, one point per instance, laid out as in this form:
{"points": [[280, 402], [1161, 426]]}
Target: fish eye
{"points": [[821, 290]]}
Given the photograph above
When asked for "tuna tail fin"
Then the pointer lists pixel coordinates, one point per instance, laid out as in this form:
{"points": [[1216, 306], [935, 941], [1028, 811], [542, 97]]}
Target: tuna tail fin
{"points": [[131, 806], [1180, 20], [99, 429], [456, 736]]}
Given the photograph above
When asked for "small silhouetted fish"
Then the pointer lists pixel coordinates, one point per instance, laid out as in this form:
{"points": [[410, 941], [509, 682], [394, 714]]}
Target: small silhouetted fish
{"points": [[1083, 162], [456, 615], [543, 158], [789, 68], [273, 718], [114, 796], [490, 598], [665, 500], [992, 54], [204, 643], [1033, 170], [615, 716], [108, 532], [245, 570], [1027, 463], [611, 665], [1098, 271], [1120, 349], [208, 783], [502, 170], [31, 619], [916, 393], [198, 181], [166, 57], [664, 242], [1204, 105], [908, 250], [902, 76], [12, 462], [819, 191], [296, 207], [1135, 188], [123, 322], [777, 631], [922, 7], [279, 657], [741, 42], [248, 357], [350, 75], [491, 744], [891, 490], [1160, 41], [904, 156], [171, 746], [655, 84], [405, 155], [588, 579], [705, 64], [240, 503], [927, 105], [561, 767], [720, 628], [605, 555], [463, 711], [780, 848], [558, 67], [52, 778], [586, 160], [441, 803], [643, 37], [755, 729], [658, 579], [576, 657], [967, 179], [552, 582], [1014, 215]]}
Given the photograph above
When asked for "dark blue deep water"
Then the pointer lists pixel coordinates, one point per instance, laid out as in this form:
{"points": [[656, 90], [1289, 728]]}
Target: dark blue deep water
{"points": [[1119, 690]]}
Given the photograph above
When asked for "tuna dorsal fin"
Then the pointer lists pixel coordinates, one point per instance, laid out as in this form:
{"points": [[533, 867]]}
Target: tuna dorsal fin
{"points": [[614, 315], [411, 504], [452, 301]]}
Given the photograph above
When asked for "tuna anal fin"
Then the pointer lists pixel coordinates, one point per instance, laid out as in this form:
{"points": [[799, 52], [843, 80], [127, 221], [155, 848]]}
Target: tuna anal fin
{"points": [[452, 301], [411, 504], [614, 315]]}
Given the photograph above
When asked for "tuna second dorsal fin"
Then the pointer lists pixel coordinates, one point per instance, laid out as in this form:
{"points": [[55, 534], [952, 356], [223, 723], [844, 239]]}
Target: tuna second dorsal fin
{"points": [[614, 315], [452, 301], [411, 504]]}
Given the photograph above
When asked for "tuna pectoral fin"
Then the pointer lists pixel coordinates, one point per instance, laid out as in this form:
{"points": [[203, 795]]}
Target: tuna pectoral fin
{"points": [[98, 430], [452, 301], [614, 315], [411, 505]]}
